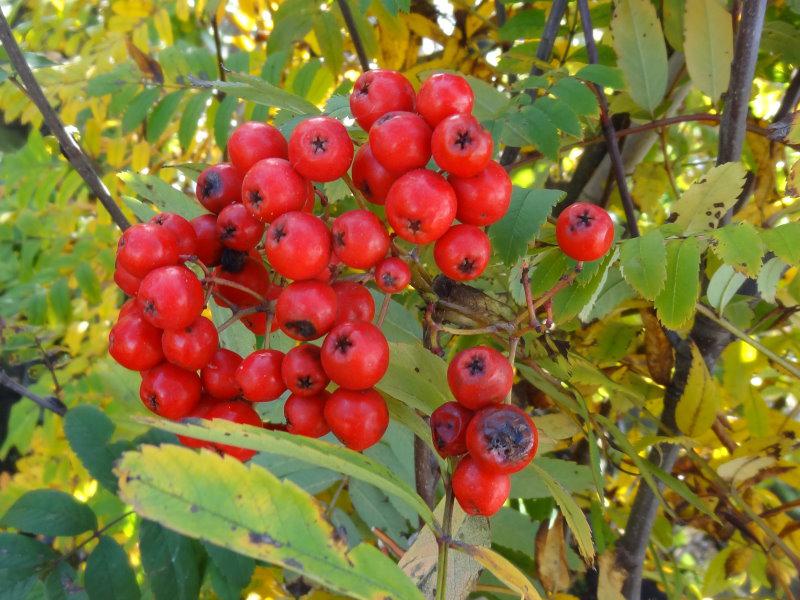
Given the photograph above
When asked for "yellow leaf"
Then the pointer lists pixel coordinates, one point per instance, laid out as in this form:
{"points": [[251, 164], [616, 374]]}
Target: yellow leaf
{"points": [[611, 578], [163, 26], [551, 556], [132, 8], [140, 158], [697, 406], [793, 181], [140, 37], [709, 198], [650, 183], [115, 151], [503, 569], [182, 10]]}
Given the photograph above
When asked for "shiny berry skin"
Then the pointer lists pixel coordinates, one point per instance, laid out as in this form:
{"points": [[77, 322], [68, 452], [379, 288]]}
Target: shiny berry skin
{"points": [[125, 281], [198, 412], [421, 206], [358, 418], [480, 376], [305, 415], [478, 491], [145, 247], [377, 92], [171, 297], [355, 355], [219, 186], [370, 176], [401, 141], [449, 429], [209, 248], [584, 231], [320, 149], [392, 275], [259, 376], [461, 146], [442, 95], [182, 229], [272, 187], [331, 270], [359, 239], [237, 228], [134, 343], [306, 310], [298, 245], [302, 371], [193, 346], [502, 438], [484, 198], [353, 302], [169, 391], [129, 308], [252, 141], [237, 412], [219, 375], [463, 252], [246, 271]]}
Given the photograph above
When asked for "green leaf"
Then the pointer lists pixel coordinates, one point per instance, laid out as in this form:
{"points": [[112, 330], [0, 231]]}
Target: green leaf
{"points": [[400, 324], [235, 568], [723, 287], [783, 241], [579, 97], [248, 87], [162, 114], [89, 431], [235, 337], [51, 513], [208, 496], [739, 246], [314, 451], [541, 131], [88, 282], [21, 557], [109, 574], [162, 194], [525, 24], [707, 200], [641, 52], [780, 37], [61, 300], [489, 101], [697, 406], [169, 559], [560, 114], [673, 22], [143, 211], [329, 36], [643, 262], [602, 75], [578, 299], [222, 120], [769, 277], [528, 211], [137, 109], [415, 377], [190, 118], [708, 46], [571, 476], [375, 508], [675, 303]]}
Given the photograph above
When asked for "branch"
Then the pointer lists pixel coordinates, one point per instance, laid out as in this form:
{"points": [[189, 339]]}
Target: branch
{"points": [[50, 403], [608, 126], [347, 15], [76, 156]]}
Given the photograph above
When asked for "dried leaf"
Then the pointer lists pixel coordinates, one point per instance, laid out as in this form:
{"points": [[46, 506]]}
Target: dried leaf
{"points": [[551, 556], [611, 578], [147, 64], [658, 351]]}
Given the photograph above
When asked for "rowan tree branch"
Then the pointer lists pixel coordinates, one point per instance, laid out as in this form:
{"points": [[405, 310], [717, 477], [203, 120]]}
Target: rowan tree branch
{"points": [[71, 149], [50, 403], [347, 15]]}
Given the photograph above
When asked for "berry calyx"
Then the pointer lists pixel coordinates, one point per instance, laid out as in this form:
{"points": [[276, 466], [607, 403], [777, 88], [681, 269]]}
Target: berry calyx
{"points": [[353, 302], [171, 297], [392, 275], [306, 310], [305, 415], [584, 231], [192, 346], [461, 146], [370, 176], [359, 239], [134, 343], [259, 376], [442, 95], [484, 198], [237, 412], [449, 429], [272, 187], [252, 141], [237, 228], [145, 247], [218, 186], [169, 391], [355, 355], [358, 418], [401, 141], [463, 252], [421, 206], [320, 149], [502, 439], [298, 245], [302, 371], [219, 375], [480, 376], [478, 491], [377, 92]]}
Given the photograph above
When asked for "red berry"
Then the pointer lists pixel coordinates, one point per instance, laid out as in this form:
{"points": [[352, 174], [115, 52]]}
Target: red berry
{"points": [[480, 376], [129, 308], [193, 346], [320, 149], [252, 141], [237, 228], [353, 302], [311, 198], [257, 322], [377, 92], [244, 270], [209, 248], [171, 297], [302, 371], [461, 146], [463, 252], [370, 176], [183, 231], [359, 239], [479, 492], [134, 343], [358, 418], [298, 245], [484, 198], [306, 310], [125, 281], [401, 141], [584, 231], [272, 187], [355, 355], [421, 206], [237, 412], [442, 95], [449, 429], [331, 270], [259, 376], [219, 375], [219, 186], [170, 391], [392, 275], [502, 439], [198, 412], [305, 415], [145, 247]]}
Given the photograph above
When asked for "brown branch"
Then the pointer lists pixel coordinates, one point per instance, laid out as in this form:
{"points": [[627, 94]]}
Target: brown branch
{"points": [[50, 403], [347, 15], [71, 149]]}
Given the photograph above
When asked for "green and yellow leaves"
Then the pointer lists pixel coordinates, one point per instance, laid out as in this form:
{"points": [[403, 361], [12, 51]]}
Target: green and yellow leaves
{"points": [[708, 46], [740, 246], [250, 511], [675, 303], [697, 406], [528, 212], [708, 199], [641, 51], [49, 512], [643, 262], [783, 241], [503, 569], [255, 89]]}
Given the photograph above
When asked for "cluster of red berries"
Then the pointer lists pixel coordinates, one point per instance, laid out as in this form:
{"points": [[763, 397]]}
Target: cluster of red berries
{"points": [[497, 439]]}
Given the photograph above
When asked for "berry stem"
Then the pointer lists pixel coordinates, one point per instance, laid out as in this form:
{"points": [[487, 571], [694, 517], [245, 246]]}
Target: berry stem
{"points": [[332, 504], [236, 286], [362, 203], [565, 281], [526, 285], [513, 342], [384, 309], [443, 541]]}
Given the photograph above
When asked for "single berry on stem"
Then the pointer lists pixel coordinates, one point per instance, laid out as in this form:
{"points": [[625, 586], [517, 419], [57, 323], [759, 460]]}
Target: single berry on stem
{"points": [[252, 141], [306, 310], [237, 228], [359, 239], [449, 429], [259, 376], [479, 376], [298, 245], [484, 198], [353, 302], [169, 391], [219, 375], [145, 247], [478, 491], [442, 95], [463, 252], [502, 438], [358, 418], [134, 343], [320, 149], [305, 415], [461, 146], [302, 371], [584, 231], [392, 275], [378, 92], [421, 206], [193, 346], [371, 178], [355, 355], [401, 141], [272, 187], [171, 297], [182, 229], [218, 186]]}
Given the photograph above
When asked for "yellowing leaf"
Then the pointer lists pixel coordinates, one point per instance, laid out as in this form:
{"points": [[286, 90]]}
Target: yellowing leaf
{"points": [[740, 246], [551, 556], [163, 26], [697, 406], [709, 198], [503, 569], [140, 157], [708, 46], [611, 578]]}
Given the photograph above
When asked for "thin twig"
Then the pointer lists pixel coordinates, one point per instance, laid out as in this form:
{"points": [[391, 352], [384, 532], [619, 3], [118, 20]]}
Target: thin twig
{"points": [[352, 29], [236, 286], [513, 343], [337, 492], [526, 286], [362, 203], [50, 403], [662, 136], [76, 156], [443, 541], [384, 309]]}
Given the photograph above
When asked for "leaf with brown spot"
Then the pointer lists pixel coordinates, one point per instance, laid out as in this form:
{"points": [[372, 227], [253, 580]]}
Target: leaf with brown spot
{"points": [[658, 351], [551, 556], [147, 64]]}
